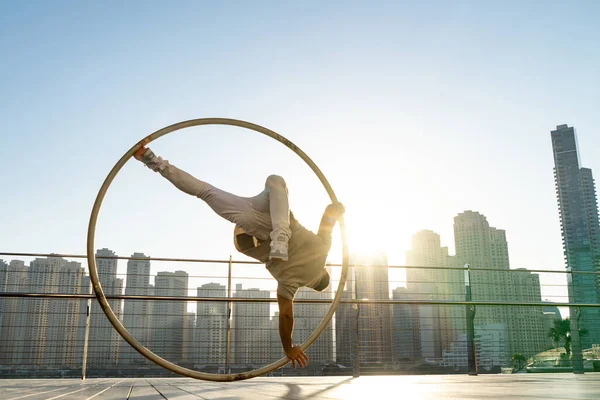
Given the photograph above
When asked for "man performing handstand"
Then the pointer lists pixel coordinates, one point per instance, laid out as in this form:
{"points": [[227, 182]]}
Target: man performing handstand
{"points": [[267, 231]]}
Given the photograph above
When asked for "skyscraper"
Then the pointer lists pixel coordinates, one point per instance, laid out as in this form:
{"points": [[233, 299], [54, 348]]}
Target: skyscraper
{"points": [[168, 318], [578, 210], [136, 313]]}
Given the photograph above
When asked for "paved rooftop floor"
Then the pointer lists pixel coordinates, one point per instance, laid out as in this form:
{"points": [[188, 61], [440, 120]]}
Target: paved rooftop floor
{"points": [[521, 386]]}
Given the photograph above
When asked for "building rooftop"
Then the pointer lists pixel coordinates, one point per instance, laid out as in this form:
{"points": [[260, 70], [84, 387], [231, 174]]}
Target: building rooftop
{"points": [[519, 386]]}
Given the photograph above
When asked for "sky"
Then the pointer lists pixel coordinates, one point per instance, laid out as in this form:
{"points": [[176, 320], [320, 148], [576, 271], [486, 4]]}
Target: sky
{"points": [[414, 111]]}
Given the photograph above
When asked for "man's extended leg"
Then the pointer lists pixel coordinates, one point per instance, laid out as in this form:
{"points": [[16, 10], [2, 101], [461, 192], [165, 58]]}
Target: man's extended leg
{"points": [[233, 208]]}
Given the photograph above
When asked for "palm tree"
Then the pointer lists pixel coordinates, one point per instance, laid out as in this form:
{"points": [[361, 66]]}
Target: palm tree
{"points": [[519, 361], [561, 331]]}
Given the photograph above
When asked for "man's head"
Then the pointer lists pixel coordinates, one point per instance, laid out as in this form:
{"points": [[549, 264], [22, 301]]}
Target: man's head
{"points": [[321, 282]]}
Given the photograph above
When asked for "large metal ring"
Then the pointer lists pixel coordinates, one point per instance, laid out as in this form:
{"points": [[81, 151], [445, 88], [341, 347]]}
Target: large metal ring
{"points": [[102, 298]]}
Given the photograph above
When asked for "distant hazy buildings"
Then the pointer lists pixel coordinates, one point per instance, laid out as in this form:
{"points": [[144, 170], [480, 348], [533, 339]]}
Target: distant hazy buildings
{"points": [[346, 325], [103, 347], [578, 210], [491, 348], [306, 318], [406, 327], [374, 321], [251, 328], [51, 326], [211, 327], [14, 277], [168, 316], [485, 247], [438, 325], [136, 313]]}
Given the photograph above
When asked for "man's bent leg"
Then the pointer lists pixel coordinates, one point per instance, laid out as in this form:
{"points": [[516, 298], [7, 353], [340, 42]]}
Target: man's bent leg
{"points": [[279, 207], [279, 210]]}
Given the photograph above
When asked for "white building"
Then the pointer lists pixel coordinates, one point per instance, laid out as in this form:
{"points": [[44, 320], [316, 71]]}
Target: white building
{"points": [[491, 348]]}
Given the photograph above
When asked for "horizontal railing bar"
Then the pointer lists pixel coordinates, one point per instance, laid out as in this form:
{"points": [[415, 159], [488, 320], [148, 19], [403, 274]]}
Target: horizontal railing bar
{"points": [[197, 260], [309, 301]]}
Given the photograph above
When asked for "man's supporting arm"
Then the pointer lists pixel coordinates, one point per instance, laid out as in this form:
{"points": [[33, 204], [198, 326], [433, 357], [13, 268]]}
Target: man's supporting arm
{"points": [[286, 327]]}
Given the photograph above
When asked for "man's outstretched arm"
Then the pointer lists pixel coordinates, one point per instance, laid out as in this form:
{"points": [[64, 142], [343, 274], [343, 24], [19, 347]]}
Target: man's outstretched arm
{"points": [[330, 216], [286, 327]]}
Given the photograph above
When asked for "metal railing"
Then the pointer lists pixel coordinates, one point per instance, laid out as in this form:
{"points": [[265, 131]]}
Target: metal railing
{"points": [[436, 319]]}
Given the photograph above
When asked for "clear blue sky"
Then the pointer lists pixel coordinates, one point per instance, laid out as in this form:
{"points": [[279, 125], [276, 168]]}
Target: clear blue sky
{"points": [[415, 111]]}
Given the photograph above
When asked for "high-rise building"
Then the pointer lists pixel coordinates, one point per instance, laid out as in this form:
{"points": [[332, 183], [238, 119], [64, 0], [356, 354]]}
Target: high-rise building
{"points": [[103, 340], [485, 249], [168, 316], [578, 210], [250, 327], [438, 324], [211, 327], [136, 313]]}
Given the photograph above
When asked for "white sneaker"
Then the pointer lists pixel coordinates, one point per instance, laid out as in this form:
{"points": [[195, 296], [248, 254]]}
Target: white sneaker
{"points": [[279, 248]]}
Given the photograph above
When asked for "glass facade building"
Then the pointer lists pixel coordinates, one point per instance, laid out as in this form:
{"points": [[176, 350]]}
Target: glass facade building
{"points": [[578, 210]]}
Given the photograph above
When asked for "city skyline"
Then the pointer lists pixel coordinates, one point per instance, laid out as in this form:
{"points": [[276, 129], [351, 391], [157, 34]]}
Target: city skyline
{"points": [[257, 276]]}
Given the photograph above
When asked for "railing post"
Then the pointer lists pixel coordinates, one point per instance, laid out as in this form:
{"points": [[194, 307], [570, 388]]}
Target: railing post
{"points": [[356, 367], [575, 342], [228, 351], [470, 314], [86, 334], [575, 314]]}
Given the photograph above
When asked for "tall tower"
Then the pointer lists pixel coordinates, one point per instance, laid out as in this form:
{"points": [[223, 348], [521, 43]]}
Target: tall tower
{"points": [[103, 348], [136, 313], [168, 318], [211, 327], [578, 210]]}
